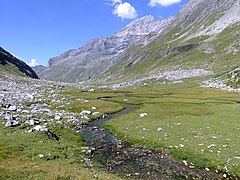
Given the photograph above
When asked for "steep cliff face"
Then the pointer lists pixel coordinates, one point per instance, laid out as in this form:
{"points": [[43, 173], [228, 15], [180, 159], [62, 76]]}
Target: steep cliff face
{"points": [[13, 65], [204, 35], [99, 55]]}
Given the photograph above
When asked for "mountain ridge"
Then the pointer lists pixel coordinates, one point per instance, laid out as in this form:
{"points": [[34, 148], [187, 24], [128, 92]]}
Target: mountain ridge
{"points": [[192, 39], [100, 51], [11, 64]]}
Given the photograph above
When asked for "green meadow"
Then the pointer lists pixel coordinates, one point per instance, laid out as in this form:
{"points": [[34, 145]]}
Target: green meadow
{"points": [[199, 125], [191, 123]]}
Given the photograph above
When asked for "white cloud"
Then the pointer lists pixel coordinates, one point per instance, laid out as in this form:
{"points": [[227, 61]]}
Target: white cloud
{"points": [[33, 63], [114, 2], [154, 3], [125, 11]]}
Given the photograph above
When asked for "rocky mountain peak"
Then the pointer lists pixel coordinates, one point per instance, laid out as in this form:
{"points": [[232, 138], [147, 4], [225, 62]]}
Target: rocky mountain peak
{"points": [[117, 43], [143, 26], [207, 17], [137, 42]]}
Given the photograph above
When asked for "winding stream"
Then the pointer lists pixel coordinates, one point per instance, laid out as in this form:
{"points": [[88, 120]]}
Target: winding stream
{"points": [[120, 158]]}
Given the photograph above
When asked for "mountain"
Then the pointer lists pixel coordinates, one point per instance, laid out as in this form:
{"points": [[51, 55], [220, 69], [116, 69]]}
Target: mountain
{"points": [[201, 40], [11, 64], [101, 54], [39, 69]]}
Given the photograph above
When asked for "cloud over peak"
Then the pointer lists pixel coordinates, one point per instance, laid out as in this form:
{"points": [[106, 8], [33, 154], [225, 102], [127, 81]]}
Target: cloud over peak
{"points": [[154, 3], [33, 63], [125, 11]]}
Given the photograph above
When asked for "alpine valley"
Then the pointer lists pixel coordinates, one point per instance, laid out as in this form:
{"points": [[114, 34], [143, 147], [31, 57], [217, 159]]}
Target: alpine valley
{"points": [[201, 40], [157, 100]]}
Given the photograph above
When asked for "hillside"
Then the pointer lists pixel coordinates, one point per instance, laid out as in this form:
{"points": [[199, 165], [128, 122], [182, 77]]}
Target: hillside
{"points": [[201, 40], [99, 55], [39, 69], [11, 64]]}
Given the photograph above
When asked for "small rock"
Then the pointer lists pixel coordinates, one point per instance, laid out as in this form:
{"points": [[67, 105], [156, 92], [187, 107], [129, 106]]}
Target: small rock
{"points": [[181, 145], [57, 117], [84, 112], [12, 123], [84, 122], [40, 128], [212, 145], [185, 162], [207, 169], [32, 122], [142, 115], [160, 129], [40, 155], [12, 108], [104, 116]]}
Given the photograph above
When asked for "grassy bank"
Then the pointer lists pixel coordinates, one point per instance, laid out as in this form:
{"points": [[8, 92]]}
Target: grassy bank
{"points": [[32, 155], [199, 125]]}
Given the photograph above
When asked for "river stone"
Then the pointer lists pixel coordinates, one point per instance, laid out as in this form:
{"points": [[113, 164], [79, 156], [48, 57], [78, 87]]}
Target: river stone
{"points": [[84, 122]]}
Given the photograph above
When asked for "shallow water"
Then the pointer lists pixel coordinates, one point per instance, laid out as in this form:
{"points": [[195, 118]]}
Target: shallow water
{"points": [[120, 158]]}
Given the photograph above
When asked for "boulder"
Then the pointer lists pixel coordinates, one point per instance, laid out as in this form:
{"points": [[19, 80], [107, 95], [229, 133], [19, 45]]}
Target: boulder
{"points": [[85, 112], [12, 123], [12, 108]]}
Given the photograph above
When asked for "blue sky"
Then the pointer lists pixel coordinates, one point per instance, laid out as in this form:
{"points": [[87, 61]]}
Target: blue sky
{"points": [[41, 29]]}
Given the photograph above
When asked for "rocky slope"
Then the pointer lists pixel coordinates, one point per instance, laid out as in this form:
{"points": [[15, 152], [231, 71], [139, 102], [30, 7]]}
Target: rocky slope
{"points": [[39, 69], [13, 65], [101, 54], [186, 45], [204, 35]]}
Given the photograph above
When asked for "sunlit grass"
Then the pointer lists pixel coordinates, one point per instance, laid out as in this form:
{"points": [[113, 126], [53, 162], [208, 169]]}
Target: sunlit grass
{"points": [[195, 124]]}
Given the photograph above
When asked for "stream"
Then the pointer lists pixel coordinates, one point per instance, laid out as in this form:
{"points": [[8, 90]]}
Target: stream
{"points": [[120, 158]]}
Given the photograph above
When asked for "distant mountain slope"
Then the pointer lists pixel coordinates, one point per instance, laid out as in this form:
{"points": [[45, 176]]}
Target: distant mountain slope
{"points": [[186, 45], [202, 37], [13, 65], [39, 69], [101, 54]]}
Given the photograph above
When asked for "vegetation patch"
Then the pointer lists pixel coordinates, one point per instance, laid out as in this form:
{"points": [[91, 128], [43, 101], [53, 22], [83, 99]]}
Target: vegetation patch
{"points": [[194, 124]]}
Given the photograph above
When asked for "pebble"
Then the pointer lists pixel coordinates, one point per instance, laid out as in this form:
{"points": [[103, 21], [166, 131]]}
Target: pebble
{"points": [[40, 155], [142, 115]]}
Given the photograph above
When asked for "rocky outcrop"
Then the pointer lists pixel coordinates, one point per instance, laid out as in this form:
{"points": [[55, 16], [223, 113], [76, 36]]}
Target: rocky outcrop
{"points": [[11, 64]]}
